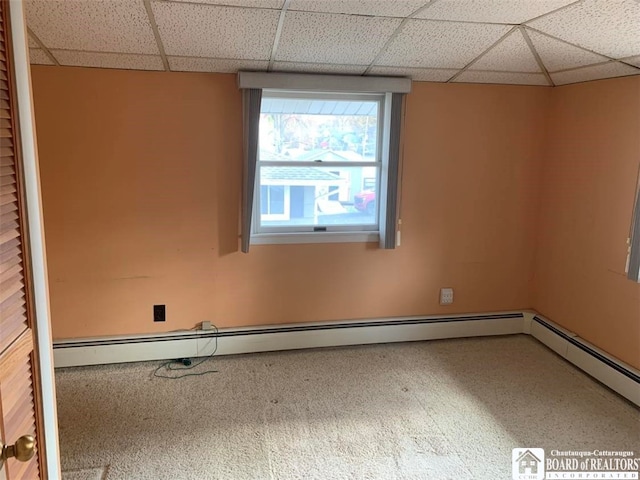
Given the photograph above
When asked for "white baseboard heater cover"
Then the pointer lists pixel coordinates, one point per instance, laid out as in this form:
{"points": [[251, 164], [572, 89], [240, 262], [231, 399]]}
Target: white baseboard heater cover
{"points": [[610, 371], [198, 343], [620, 377]]}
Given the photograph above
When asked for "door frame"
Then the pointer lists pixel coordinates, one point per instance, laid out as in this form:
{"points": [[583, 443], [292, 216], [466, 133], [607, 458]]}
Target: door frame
{"points": [[45, 380]]}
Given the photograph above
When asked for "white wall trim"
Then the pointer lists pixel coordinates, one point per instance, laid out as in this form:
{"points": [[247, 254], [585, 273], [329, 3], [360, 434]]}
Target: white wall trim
{"points": [[43, 337], [617, 375]]}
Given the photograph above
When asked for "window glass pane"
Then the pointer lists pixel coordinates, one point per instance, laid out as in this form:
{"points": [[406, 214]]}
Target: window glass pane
{"points": [[317, 196], [276, 199], [264, 200], [318, 130]]}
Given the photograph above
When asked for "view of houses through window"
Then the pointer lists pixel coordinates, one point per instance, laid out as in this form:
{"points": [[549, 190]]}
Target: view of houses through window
{"points": [[318, 161]]}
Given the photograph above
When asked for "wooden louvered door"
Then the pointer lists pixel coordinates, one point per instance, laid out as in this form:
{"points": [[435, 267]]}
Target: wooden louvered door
{"points": [[17, 354]]}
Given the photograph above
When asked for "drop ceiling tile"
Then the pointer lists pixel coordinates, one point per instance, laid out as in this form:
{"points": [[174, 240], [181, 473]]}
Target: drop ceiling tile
{"points": [[38, 56], [502, 77], [511, 55], [633, 60], [330, 38], [425, 43], [381, 8], [240, 3], [98, 25], [557, 55], [606, 27], [596, 72], [108, 60], [505, 11], [416, 74], [193, 64], [191, 30], [318, 68]]}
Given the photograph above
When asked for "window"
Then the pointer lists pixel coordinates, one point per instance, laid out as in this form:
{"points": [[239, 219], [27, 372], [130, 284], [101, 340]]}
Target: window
{"points": [[314, 152], [321, 158]]}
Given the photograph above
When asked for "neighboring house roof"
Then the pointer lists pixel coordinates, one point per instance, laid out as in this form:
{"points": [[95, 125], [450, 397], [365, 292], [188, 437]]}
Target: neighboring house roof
{"points": [[294, 174]]}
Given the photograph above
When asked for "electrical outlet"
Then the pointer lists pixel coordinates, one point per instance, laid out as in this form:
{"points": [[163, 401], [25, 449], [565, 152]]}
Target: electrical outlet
{"points": [[159, 313], [446, 296]]}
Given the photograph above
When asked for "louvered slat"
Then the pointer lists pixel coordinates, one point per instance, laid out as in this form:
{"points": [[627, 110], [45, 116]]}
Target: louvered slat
{"points": [[12, 327], [15, 310], [8, 304], [15, 327], [10, 207], [7, 198], [9, 221], [9, 250], [7, 160], [10, 287], [7, 180], [9, 234]]}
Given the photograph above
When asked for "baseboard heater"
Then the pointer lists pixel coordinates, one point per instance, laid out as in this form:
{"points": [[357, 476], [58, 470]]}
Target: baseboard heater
{"points": [[227, 341], [199, 343], [617, 375]]}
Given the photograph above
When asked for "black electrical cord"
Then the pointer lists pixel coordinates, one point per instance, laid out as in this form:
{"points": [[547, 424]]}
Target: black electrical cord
{"points": [[169, 365]]}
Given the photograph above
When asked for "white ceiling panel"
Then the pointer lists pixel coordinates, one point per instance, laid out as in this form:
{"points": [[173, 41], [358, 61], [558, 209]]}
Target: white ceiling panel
{"points": [[425, 43], [609, 27], [492, 11], [215, 32], [381, 8], [108, 60], [502, 77], [318, 68], [240, 3], [596, 72], [558, 55], [193, 64], [38, 56], [97, 25], [427, 40], [511, 55], [416, 74], [330, 38], [633, 60]]}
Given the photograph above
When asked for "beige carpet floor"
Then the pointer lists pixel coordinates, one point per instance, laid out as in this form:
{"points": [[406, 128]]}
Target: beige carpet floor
{"points": [[451, 409]]}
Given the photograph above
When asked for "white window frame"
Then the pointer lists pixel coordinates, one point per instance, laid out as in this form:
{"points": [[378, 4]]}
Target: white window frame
{"points": [[392, 89], [267, 234]]}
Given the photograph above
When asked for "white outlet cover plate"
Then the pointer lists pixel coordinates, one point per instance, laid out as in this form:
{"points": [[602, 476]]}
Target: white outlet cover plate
{"points": [[446, 296]]}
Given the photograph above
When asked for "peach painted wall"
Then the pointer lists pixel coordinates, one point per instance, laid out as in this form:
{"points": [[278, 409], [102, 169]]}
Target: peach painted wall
{"points": [[141, 175], [586, 201]]}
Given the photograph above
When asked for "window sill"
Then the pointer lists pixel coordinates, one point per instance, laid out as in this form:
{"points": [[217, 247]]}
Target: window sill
{"points": [[314, 237]]}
